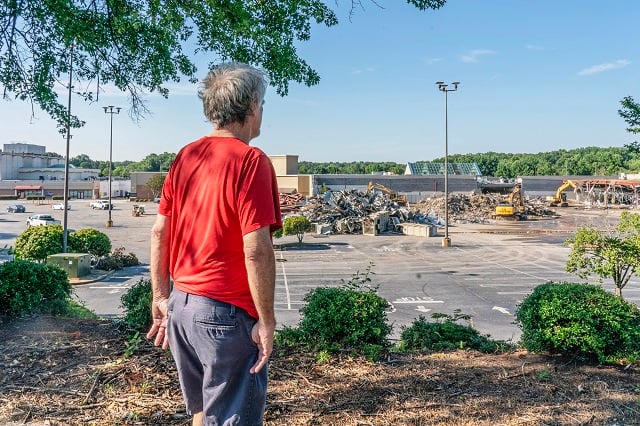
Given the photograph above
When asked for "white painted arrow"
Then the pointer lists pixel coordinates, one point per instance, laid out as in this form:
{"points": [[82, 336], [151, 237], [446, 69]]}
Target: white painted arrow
{"points": [[421, 308], [503, 310]]}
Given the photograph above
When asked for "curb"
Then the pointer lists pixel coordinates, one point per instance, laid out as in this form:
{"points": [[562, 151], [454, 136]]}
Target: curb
{"points": [[91, 279]]}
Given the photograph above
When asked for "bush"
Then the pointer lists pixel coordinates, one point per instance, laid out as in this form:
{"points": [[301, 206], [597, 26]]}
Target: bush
{"points": [[137, 306], [296, 225], [124, 259], [28, 287], [447, 335], [579, 320], [352, 317], [116, 260], [38, 242], [89, 241]]}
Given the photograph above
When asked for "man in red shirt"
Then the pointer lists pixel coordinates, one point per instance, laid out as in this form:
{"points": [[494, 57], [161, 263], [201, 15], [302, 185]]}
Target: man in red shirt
{"points": [[212, 237]]}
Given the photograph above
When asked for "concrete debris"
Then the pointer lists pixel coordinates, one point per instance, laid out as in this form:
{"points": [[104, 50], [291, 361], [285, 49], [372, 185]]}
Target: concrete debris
{"points": [[290, 201], [348, 211]]}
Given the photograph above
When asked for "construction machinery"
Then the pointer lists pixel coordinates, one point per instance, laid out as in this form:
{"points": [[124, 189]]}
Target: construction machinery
{"points": [[560, 198], [393, 196], [513, 207]]}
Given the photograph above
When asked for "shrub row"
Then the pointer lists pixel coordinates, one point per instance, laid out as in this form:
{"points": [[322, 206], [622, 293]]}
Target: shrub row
{"points": [[37, 242], [27, 287]]}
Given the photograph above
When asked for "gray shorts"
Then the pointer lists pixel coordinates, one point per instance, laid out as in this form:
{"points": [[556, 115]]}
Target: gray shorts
{"points": [[213, 350]]}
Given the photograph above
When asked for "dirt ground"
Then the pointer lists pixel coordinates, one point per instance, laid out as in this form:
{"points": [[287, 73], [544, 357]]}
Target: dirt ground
{"points": [[58, 371]]}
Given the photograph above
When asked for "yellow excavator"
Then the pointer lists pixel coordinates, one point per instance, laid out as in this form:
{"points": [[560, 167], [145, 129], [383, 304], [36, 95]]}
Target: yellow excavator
{"points": [[560, 198], [393, 196], [513, 207]]}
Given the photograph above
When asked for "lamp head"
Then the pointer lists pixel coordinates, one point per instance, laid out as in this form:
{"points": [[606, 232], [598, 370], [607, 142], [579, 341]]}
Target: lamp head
{"points": [[455, 85]]}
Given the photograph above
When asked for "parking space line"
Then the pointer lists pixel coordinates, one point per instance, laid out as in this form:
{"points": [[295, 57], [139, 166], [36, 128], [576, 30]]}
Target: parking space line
{"points": [[286, 284]]}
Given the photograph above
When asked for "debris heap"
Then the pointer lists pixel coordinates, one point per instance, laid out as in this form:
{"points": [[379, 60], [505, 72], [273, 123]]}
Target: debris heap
{"points": [[343, 212]]}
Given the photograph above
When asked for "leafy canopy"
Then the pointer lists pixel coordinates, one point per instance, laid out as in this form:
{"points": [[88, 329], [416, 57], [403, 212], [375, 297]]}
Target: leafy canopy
{"points": [[630, 112], [139, 45], [296, 225], [611, 254], [155, 183]]}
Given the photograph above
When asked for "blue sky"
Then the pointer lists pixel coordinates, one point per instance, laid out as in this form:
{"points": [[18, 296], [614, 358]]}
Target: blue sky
{"points": [[535, 76]]}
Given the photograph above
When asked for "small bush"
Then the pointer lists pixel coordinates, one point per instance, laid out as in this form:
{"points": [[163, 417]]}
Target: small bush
{"points": [[124, 259], [28, 287], [137, 306], [440, 335], [579, 320], [352, 317], [38, 242], [116, 260], [296, 225], [89, 241]]}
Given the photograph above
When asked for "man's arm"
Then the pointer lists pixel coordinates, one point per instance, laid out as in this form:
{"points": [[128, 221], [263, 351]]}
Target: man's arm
{"points": [[261, 271], [160, 236]]}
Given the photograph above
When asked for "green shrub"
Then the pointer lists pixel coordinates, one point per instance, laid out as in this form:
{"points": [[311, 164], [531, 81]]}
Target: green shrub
{"points": [[440, 335], [278, 233], [28, 287], [579, 320], [296, 225], [137, 306], [352, 317], [38, 242], [89, 241]]}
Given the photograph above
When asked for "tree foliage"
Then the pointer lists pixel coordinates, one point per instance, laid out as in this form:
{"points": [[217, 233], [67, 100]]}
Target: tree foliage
{"points": [[140, 46], [630, 112], [296, 225], [611, 254], [155, 183]]}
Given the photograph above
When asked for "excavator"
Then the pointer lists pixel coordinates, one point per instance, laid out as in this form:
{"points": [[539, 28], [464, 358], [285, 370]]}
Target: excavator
{"points": [[393, 196], [560, 198], [514, 207]]}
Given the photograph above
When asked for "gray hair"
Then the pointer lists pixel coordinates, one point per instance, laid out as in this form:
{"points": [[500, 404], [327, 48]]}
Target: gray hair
{"points": [[230, 91]]}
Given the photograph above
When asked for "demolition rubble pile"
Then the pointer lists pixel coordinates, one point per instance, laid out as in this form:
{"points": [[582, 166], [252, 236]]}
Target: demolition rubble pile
{"points": [[343, 212]]}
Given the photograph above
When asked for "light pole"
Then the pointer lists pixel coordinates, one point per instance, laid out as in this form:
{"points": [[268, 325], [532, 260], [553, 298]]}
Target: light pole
{"points": [[110, 110], [446, 241], [65, 228]]}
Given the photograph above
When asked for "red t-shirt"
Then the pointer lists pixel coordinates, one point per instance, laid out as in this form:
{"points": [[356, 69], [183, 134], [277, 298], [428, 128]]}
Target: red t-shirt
{"points": [[217, 190]]}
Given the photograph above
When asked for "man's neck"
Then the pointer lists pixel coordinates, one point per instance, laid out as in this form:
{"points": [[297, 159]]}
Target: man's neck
{"points": [[233, 130]]}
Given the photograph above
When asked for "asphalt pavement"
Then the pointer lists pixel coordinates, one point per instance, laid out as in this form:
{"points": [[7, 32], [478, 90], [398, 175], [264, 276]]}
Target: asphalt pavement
{"points": [[486, 272]]}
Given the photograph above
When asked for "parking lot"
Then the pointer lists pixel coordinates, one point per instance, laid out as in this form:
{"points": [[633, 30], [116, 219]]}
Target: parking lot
{"points": [[485, 273]]}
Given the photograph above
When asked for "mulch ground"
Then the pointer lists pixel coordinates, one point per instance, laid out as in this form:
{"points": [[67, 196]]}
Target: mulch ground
{"points": [[56, 371]]}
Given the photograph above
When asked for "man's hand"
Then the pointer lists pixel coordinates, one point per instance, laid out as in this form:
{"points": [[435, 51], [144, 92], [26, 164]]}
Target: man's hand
{"points": [[160, 315], [262, 335]]}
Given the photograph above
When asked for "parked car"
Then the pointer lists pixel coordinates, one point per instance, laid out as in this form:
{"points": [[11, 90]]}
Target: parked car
{"points": [[41, 220], [16, 208], [101, 204], [60, 206]]}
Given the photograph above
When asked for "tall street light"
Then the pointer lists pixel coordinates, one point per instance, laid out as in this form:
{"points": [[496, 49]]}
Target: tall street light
{"points": [[110, 110], [65, 229], [446, 241]]}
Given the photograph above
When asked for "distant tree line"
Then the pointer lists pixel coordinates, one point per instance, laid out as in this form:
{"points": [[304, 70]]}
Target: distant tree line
{"points": [[151, 163], [587, 161], [354, 167], [582, 161]]}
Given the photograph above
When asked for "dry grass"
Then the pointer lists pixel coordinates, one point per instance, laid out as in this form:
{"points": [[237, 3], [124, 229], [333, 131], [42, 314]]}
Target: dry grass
{"points": [[76, 372]]}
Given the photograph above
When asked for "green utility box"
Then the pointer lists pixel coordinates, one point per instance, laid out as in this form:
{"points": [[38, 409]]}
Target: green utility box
{"points": [[76, 264]]}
